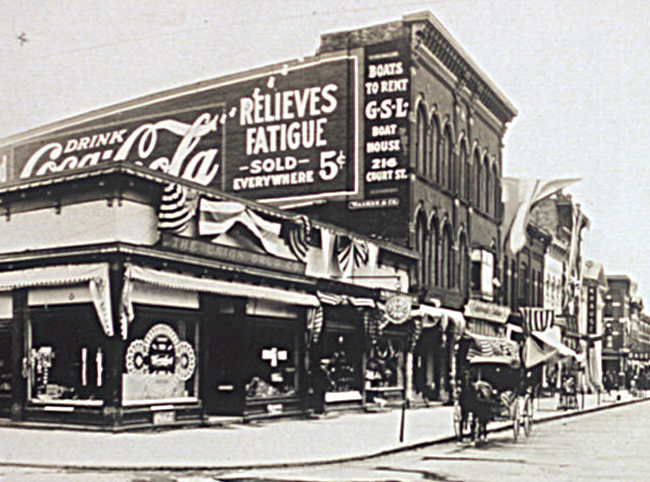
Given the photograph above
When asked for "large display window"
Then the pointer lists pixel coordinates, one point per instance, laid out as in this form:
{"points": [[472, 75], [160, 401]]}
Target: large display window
{"points": [[65, 361], [5, 361], [274, 369], [341, 354], [160, 362], [385, 365]]}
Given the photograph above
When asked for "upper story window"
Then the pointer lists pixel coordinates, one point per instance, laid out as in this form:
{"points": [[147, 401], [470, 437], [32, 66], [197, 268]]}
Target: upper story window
{"points": [[420, 140], [420, 244], [462, 263], [450, 158], [463, 166], [488, 185], [485, 184], [524, 284], [478, 192], [434, 265], [433, 144], [497, 191], [482, 273]]}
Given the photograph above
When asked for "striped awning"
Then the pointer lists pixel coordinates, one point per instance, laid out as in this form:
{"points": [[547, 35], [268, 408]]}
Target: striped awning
{"points": [[334, 299], [95, 274], [491, 349], [186, 282]]}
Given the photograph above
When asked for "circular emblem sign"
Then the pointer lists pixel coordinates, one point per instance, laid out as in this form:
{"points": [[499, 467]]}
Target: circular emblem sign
{"points": [[398, 308]]}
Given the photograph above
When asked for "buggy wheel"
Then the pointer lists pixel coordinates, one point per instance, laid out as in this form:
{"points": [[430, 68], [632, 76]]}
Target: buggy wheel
{"points": [[527, 416], [458, 422], [515, 420]]}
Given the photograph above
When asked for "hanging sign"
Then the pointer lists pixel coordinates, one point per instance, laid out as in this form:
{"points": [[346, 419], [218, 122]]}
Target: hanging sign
{"points": [[591, 310], [398, 309]]}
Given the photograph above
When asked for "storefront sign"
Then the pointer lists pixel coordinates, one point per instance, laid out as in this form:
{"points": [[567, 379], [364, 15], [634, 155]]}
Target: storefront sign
{"points": [[230, 254], [591, 310], [398, 309], [289, 132], [487, 311]]}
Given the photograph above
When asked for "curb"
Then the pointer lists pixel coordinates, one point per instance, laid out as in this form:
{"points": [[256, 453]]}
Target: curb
{"points": [[312, 463]]}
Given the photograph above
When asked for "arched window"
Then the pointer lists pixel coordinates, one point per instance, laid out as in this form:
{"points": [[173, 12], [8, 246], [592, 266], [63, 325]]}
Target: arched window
{"points": [[462, 264], [524, 282], [497, 191], [447, 261], [505, 276], [450, 158], [478, 192], [462, 167], [434, 267], [487, 184], [443, 258], [434, 140], [420, 140], [420, 243], [513, 283], [442, 160]]}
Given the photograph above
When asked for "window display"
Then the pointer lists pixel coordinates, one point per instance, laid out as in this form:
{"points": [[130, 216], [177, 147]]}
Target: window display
{"points": [[383, 364], [161, 365], [341, 360], [274, 372], [5, 359], [64, 359]]}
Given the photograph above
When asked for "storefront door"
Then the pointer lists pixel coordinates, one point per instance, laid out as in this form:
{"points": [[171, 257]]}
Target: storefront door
{"points": [[5, 368], [224, 347]]}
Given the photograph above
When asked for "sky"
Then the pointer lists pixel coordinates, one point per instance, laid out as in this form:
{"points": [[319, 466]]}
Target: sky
{"points": [[578, 72]]}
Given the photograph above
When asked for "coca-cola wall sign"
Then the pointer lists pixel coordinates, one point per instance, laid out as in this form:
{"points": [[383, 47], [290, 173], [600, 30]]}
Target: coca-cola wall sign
{"points": [[290, 132]]}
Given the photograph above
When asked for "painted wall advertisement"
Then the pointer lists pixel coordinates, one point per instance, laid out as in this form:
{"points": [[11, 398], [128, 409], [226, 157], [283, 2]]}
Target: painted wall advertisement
{"points": [[386, 86], [284, 133]]}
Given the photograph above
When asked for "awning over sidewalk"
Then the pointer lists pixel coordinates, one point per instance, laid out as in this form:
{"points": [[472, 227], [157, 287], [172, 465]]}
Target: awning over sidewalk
{"points": [[95, 274], [167, 279], [444, 315], [229, 288], [546, 347]]}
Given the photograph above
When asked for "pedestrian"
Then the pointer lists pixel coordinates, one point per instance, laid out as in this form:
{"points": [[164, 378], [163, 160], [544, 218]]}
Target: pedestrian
{"points": [[321, 383]]}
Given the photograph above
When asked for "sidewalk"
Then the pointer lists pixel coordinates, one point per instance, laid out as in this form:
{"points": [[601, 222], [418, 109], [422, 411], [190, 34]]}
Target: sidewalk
{"points": [[273, 443]]}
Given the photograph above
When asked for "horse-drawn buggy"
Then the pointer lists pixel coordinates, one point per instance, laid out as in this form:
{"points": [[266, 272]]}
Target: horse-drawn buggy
{"points": [[491, 386]]}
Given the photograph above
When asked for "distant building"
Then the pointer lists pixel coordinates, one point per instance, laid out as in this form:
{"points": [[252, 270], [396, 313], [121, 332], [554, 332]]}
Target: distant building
{"points": [[621, 318], [592, 309]]}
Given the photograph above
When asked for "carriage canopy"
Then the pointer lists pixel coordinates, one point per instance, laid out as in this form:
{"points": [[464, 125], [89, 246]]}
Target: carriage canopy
{"points": [[495, 350]]}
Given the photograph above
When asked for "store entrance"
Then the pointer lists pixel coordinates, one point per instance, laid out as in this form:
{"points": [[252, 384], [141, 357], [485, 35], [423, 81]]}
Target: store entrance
{"points": [[224, 345], [5, 368]]}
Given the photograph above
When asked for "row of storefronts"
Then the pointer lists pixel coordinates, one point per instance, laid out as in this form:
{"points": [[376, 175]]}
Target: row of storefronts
{"points": [[137, 325]]}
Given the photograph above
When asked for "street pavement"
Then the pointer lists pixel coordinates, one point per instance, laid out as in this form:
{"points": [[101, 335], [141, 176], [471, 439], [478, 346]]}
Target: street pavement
{"points": [[349, 436], [606, 445]]}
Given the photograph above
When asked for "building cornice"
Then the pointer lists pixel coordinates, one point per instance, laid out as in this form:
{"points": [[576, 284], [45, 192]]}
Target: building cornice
{"points": [[441, 43]]}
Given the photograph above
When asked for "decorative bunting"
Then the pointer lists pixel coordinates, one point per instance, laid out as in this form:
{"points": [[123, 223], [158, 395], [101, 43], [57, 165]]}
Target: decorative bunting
{"points": [[415, 332], [174, 213], [537, 319], [351, 253], [299, 235], [218, 217], [314, 324]]}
